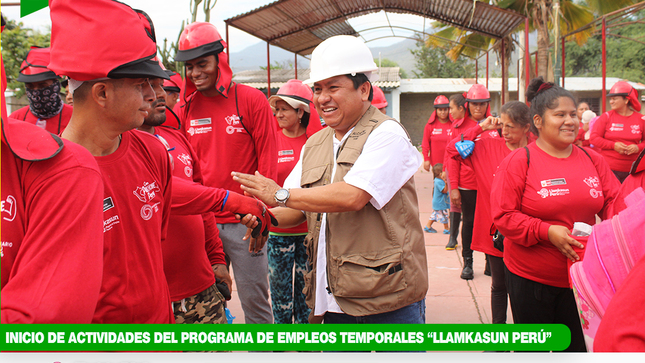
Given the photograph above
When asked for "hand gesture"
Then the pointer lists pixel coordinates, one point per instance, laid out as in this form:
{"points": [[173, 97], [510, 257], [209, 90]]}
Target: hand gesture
{"points": [[559, 236]]}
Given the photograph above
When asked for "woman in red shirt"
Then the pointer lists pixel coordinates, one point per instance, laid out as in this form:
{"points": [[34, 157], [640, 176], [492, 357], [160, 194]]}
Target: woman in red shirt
{"points": [[618, 134], [285, 247], [457, 112], [436, 134], [538, 193], [486, 156]]}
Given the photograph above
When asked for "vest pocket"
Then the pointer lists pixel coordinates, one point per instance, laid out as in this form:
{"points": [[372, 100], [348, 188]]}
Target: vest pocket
{"points": [[359, 276], [312, 175]]}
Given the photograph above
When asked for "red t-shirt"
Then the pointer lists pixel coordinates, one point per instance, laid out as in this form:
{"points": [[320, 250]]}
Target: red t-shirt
{"points": [[611, 128], [487, 155], [462, 176], [631, 183], [55, 125], [288, 156], [212, 126], [52, 237], [136, 208], [554, 191], [435, 137], [622, 328], [186, 263]]}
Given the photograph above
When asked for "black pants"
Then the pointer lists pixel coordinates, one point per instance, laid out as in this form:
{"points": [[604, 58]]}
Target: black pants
{"points": [[498, 294], [468, 201], [536, 303]]}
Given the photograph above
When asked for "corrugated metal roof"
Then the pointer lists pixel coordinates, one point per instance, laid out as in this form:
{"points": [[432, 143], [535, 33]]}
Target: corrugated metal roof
{"points": [[300, 25], [388, 77]]}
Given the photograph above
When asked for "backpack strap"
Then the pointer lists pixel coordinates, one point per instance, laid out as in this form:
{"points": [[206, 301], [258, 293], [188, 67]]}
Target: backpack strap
{"points": [[237, 108]]}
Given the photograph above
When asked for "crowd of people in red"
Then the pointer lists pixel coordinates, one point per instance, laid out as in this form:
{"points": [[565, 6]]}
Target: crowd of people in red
{"points": [[158, 152]]}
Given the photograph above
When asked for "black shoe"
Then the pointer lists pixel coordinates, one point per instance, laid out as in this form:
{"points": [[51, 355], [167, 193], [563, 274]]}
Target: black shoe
{"points": [[487, 268], [467, 272], [452, 244]]}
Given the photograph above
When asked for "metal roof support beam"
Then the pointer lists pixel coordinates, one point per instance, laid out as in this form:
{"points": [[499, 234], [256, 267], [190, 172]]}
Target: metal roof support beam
{"points": [[487, 52], [504, 75], [604, 64], [268, 72], [527, 56], [563, 56], [228, 45]]}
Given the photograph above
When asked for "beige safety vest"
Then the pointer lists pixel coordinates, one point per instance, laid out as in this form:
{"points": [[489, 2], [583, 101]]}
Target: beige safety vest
{"points": [[376, 259]]}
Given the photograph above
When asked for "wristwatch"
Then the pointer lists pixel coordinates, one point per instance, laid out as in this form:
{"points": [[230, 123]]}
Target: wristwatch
{"points": [[281, 197]]}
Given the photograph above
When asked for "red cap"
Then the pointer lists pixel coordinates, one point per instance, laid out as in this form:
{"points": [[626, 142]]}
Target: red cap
{"points": [[197, 40], [478, 93], [295, 93], [102, 38], [622, 88], [379, 100], [174, 83], [34, 67], [441, 102]]}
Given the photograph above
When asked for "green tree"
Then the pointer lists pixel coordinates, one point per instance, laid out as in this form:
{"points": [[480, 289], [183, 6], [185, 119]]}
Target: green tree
{"points": [[384, 62], [625, 49], [16, 42], [434, 63], [277, 65]]}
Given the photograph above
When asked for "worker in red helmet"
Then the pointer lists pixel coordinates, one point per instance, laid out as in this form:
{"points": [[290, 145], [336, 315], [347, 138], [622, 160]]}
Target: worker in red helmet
{"points": [[435, 138], [231, 127], [619, 134], [379, 100], [46, 109], [51, 270], [286, 248], [112, 96], [463, 185]]}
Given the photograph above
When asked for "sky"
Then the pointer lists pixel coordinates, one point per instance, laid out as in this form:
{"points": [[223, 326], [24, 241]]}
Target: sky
{"points": [[168, 14]]}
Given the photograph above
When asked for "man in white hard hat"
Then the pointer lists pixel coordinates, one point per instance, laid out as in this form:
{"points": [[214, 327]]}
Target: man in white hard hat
{"points": [[354, 183]]}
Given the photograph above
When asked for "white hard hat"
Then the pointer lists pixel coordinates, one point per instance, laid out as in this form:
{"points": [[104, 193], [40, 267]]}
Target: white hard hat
{"points": [[341, 54]]}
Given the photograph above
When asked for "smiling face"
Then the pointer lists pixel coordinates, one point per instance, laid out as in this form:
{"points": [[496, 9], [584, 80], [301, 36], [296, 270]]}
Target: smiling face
{"points": [[442, 114], [618, 103], [203, 72], [559, 126], [339, 103]]}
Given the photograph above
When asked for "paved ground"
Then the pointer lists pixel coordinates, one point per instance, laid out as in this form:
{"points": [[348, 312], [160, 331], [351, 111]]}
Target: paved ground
{"points": [[450, 299]]}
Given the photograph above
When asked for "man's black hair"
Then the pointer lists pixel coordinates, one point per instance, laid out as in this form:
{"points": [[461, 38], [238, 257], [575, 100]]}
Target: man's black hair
{"points": [[358, 80]]}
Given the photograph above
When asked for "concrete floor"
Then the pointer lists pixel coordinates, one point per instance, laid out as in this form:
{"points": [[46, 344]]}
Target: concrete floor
{"points": [[450, 300]]}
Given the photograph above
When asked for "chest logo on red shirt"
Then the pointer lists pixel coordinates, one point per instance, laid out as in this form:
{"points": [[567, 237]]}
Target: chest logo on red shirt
{"points": [[234, 124], [9, 208], [552, 182], [544, 192], [188, 162], [636, 129], [616, 127], [197, 127], [147, 193], [437, 131], [593, 182]]}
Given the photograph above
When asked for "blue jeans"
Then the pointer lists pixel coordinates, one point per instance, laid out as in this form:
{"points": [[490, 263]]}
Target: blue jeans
{"points": [[414, 313]]}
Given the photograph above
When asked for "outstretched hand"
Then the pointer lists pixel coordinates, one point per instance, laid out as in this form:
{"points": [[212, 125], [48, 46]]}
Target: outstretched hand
{"points": [[258, 186]]}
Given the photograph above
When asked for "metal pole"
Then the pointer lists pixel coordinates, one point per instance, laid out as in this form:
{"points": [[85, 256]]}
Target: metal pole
{"points": [[476, 70], [487, 69], [268, 72], [228, 46], [604, 64], [527, 55], [504, 80], [295, 64], [563, 56]]}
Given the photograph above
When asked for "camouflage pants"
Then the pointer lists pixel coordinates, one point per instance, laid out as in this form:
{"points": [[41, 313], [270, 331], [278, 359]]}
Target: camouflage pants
{"points": [[206, 307], [287, 299]]}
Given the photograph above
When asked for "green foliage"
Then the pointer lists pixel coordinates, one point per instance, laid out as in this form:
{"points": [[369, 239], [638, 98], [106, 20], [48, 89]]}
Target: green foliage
{"points": [[384, 62], [16, 42], [277, 65], [624, 56], [433, 63]]}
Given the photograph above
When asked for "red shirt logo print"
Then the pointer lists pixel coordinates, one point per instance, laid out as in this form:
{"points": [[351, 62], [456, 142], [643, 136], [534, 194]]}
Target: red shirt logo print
{"points": [[147, 193], [233, 121]]}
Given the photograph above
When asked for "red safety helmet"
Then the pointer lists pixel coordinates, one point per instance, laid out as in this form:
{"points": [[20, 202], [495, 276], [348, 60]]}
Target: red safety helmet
{"points": [[622, 88], [116, 41], [441, 102], [34, 67], [295, 93], [197, 40], [174, 83], [478, 93], [378, 100]]}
